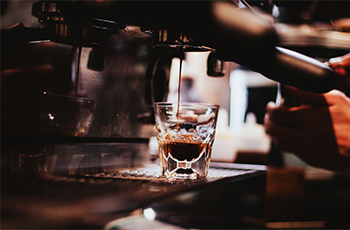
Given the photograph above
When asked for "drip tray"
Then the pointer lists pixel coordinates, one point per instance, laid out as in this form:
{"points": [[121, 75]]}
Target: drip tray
{"points": [[217, 171], [93, 199], [145, 185]]}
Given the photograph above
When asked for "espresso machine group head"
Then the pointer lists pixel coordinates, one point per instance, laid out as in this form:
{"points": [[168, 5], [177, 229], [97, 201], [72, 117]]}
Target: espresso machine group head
{"points": [[235, 34]]}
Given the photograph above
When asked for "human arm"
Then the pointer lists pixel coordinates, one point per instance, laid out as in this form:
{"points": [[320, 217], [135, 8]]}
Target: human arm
{"points": [[317, 131]]}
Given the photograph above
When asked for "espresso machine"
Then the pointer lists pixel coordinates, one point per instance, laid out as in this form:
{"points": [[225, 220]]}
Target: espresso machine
{"points": [[116, 56], [161, 30]]}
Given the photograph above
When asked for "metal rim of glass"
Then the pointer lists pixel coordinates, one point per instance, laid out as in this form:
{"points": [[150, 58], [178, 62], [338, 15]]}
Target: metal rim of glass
{"points": [[192, 104]]}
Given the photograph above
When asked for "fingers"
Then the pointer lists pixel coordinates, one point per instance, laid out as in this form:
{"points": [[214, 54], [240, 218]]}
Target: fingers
{"points": [[285, 145], [289, 116], [290, 127], [276, 113], [307, 98], [315, 99], [283, 137], [287, 134], [312, 130], [341, 65], [307, 114], [296, 121], [335, 96]]}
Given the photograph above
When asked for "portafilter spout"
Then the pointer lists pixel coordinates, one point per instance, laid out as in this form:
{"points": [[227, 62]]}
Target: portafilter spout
{"points": [[237, 35], [169, 39]]}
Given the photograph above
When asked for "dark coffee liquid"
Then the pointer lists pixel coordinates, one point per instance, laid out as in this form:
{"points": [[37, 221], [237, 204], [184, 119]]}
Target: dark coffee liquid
{"points": [[182, 151]]}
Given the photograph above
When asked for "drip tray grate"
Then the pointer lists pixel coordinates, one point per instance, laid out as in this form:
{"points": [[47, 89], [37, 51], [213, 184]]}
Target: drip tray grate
{"points": [[152, 172]]}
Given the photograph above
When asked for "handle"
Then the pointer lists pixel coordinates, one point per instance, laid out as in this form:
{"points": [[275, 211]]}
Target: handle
{"points": [[18, 36], [293, 69], [300, 71]]}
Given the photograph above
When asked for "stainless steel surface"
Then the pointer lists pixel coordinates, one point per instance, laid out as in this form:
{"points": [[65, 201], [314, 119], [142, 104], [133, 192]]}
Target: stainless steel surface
{"points": [[215, 66], [134, 75], [91, 200], [83, 32], [168, 39]]}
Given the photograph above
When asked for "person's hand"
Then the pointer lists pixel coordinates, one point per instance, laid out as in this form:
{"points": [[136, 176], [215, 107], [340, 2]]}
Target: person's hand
{"points": [[317, 130], [341, 66]]}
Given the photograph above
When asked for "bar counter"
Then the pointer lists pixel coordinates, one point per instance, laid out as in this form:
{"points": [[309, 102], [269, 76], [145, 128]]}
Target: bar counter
{"points": [[88, 191]]}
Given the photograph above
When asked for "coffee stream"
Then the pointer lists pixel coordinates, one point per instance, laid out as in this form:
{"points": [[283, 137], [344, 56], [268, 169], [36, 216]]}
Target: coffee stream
{"points": [[186, 149], [77, 71], [178, 96], [180, 73]]}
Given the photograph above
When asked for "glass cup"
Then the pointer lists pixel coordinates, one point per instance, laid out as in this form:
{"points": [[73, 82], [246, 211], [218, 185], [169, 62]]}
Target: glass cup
{"points": [[185, 134], [63, 115]]}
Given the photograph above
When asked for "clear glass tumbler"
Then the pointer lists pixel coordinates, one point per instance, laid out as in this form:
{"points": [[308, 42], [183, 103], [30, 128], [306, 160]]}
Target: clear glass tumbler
{"points": [[185, 134], [63, 115]]}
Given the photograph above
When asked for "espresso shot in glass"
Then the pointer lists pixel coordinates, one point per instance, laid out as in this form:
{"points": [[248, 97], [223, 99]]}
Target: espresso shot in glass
{"points": [[185, 134]]}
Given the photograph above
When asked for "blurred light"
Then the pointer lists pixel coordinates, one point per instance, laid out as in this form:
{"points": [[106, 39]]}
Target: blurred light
{"points": [[149, 214], [51, 117], [275, 11], [41, 41]]}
